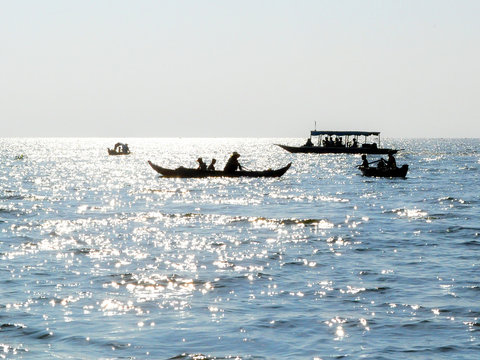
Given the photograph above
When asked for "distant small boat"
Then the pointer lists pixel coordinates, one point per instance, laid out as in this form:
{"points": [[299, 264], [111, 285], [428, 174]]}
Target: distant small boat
{"points": [[182, 172], [327, 145], [119, 149], [374, 171]]}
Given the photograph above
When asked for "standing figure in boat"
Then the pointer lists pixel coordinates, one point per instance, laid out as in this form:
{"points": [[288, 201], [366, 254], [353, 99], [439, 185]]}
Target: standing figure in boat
{"points": [[201, 165], [309, 142], [232, 163]]}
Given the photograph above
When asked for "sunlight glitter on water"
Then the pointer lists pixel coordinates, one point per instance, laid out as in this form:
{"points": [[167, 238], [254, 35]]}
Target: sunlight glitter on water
{"points": [[102, 243]]}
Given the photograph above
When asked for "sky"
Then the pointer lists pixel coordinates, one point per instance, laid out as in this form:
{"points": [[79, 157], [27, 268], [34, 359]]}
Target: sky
{"points": [[250, 68]]}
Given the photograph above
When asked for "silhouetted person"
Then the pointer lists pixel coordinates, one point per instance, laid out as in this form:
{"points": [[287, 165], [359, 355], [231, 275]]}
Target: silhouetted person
{"points": [[354, 143], [391, 163], [211, 167], [309, 142], [382, 164], [232, 163], [365, 163], [201, 165]]}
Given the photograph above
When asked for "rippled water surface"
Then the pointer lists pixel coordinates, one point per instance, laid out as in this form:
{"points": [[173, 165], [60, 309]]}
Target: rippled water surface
{"points": [[101, 258]]}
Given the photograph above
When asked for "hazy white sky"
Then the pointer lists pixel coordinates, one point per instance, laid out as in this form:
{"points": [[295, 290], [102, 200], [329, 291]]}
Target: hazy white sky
{"points": [[239, 68]]}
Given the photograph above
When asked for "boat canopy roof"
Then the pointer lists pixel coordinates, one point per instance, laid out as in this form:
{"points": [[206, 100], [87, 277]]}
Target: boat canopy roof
{"points": [[343, 133]]}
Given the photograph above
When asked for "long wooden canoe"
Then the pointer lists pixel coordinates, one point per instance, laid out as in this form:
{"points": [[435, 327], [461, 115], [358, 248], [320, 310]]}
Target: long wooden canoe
{"points": [[373, 171], [182, 172]]}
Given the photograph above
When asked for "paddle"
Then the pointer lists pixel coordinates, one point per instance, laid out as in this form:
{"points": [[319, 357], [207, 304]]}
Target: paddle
{"points": [[371, 162]]}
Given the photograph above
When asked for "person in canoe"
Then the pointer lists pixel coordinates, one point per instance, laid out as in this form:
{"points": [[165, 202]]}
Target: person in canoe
{"points": [[211, 167], [382, 164], [232, 163], [391, 163], [201, 165]]}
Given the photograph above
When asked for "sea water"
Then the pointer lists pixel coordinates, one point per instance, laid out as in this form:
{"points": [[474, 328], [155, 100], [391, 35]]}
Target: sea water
{"points": [[101, 258]]}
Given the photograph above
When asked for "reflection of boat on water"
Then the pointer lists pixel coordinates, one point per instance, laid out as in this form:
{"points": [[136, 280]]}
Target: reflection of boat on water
{"points": [[375, 171], [182, 172], [119, 149], [345, 142]]}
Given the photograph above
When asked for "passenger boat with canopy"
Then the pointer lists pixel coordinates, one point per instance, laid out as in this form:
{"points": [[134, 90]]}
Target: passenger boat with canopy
{"points": [[341, 142]]}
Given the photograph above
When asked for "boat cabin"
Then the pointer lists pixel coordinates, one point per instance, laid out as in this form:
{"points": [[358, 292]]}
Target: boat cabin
{"points": [[347, 139]]}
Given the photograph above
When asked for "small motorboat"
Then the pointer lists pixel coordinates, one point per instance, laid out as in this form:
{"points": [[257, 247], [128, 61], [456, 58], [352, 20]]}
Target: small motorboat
{"points": [[119, 149], [384, 172], [182, 172]]}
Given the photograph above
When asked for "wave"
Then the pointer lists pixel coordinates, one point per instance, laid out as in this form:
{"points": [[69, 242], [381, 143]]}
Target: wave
{"points": [[199, 356], [225, 219], [21, 329]]}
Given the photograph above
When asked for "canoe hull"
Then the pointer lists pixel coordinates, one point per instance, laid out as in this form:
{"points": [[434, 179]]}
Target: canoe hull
{"points": [[373, 171], [335, 150], [194, 173]]}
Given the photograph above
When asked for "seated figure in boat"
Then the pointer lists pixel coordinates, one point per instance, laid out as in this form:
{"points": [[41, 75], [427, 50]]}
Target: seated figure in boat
{"points": [[211, 167], [391, 162], [232, 163], [309, 142], [338, 141], [201, 165], [354, 143], [382, 164]]}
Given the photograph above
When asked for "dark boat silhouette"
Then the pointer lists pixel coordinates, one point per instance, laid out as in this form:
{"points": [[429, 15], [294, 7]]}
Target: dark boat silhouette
{"points": [[119, 149], [340, 146], [114, 152], [182, 172], [374, 171]]}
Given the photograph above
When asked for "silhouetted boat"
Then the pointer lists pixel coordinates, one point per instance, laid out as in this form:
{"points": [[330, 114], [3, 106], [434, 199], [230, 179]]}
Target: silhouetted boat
{"points": [[182, 172], [374, 171], [119, 149], [340, 145]]}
